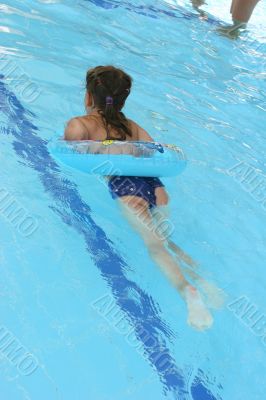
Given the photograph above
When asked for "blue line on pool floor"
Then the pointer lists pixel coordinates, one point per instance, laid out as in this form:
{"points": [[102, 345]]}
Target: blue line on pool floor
{"points": [[76, 213], [152, 11]]}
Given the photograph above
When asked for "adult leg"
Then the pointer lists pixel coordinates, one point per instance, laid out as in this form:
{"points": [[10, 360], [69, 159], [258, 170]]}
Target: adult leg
{"points": [[242, 10], [197, 3]]}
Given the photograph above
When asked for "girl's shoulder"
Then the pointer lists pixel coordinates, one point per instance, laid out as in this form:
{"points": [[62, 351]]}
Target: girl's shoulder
{"points": [[138, 133], [80, 128]]}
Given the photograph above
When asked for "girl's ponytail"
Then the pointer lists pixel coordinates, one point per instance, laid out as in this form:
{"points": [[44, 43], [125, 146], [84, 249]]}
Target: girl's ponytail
{"points": [[110, 88]]}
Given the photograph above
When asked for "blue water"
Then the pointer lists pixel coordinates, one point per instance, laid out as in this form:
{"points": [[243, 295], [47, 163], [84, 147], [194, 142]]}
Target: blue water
{"points": [[79, 293]]}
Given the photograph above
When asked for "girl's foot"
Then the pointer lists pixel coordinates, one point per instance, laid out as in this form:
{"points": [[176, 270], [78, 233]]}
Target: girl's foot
{"points": [[199, 316], [215, 297]]}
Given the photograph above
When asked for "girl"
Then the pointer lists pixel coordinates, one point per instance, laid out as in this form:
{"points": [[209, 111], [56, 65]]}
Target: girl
{"points": [[107, 89]]}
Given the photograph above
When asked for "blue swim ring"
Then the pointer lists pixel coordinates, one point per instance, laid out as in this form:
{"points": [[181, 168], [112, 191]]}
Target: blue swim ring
{"points": [[124, 158]]}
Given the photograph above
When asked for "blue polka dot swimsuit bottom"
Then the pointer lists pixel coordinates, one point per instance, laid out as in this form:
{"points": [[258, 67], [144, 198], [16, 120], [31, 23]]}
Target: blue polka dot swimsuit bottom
{"points": [[143, 187]]}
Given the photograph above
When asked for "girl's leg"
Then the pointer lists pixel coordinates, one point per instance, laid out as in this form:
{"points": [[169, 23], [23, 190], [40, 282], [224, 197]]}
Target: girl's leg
{"points": [[161, 195], [137, 212], [160, 215], [215, 296]]}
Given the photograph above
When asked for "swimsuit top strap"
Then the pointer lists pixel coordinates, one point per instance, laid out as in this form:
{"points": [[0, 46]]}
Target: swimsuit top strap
{"points": [[108, 136]]}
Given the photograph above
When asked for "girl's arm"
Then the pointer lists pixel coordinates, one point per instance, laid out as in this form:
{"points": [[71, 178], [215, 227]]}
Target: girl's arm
{"points": [[75, 130], [140, 133], [144, 136]]}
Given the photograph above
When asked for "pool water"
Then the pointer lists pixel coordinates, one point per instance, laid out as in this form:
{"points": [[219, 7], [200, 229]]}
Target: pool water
{"points": [[85, 313]]}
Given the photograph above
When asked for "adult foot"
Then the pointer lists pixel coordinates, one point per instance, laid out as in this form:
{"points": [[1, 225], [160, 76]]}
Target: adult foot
{"points": [[232, 31]]}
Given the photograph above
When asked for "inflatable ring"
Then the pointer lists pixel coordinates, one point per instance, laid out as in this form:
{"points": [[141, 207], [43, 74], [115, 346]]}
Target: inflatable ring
{"points": [[125, 158]]}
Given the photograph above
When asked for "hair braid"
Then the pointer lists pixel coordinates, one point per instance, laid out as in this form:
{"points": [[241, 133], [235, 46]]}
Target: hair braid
{"points": [[110, 88]]}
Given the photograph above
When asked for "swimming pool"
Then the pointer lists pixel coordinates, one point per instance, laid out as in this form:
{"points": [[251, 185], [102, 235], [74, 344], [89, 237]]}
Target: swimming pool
{"points": [[85, 314]]}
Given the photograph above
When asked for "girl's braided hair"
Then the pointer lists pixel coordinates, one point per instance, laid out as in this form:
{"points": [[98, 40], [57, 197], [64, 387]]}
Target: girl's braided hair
{"points": [[110, 87]]}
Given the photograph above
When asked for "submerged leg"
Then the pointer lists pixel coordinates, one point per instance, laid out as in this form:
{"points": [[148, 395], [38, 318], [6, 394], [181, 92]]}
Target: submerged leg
{"points": [[215, 296], [160, 215], [138, 214]]}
